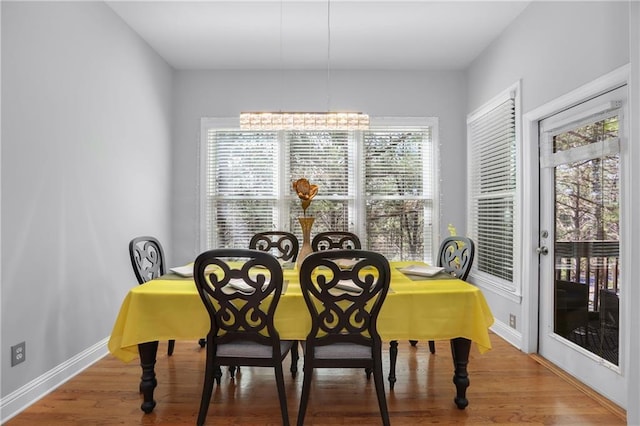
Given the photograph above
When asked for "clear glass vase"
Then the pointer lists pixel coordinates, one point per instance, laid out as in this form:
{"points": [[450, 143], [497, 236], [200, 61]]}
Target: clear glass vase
{"points": [[305, 223]]}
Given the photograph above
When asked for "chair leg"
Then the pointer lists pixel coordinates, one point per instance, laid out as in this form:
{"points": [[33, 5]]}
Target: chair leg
{"points": [[210, 372], [382, 399], [233, 369], [282, 395], [217, 375], [172, 344], [202, 342], [368, 373], [413, 342], [294, 359], [304, 396], [432, 346]]}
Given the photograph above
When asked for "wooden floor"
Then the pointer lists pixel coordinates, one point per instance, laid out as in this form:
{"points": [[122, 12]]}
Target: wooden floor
{"points": [[507, 387]]}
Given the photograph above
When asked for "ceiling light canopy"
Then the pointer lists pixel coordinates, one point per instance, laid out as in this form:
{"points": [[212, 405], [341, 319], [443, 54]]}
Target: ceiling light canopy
{"points": [[304, 121]]}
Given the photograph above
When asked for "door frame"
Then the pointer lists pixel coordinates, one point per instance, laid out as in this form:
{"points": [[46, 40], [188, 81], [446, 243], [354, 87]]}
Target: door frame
{"points": [[530, 198]]}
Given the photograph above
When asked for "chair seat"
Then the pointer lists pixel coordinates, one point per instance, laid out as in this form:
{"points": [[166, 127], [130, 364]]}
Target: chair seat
{"points": [[341, 351], [247, 349]]}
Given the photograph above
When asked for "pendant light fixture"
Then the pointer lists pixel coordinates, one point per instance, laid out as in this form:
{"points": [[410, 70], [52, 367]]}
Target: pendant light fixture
{"points": [[330, 120]]}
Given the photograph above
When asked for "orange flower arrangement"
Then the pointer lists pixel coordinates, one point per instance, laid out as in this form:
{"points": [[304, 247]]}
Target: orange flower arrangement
{"points": [[306, 192]]}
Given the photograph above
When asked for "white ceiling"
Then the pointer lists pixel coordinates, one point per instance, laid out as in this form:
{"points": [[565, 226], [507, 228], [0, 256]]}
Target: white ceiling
{"points": [[319, 34]]}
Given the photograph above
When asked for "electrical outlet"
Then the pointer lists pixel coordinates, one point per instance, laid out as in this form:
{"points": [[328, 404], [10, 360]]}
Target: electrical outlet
{"points": [[512, 321], [18, 354]]}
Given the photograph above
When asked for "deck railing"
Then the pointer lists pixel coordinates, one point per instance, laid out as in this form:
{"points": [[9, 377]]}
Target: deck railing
{"points": [[589, 271], [595, 263]]}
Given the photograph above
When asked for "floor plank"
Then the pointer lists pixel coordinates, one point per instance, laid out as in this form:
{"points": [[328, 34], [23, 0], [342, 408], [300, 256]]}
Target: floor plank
{"points": [[507, 387]]}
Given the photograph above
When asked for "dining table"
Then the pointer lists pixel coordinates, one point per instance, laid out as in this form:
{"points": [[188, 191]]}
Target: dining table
{"points": [[417, 307]]}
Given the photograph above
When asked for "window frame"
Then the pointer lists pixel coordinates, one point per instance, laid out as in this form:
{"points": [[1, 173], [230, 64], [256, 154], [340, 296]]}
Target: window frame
{"points": [[359, 227]]}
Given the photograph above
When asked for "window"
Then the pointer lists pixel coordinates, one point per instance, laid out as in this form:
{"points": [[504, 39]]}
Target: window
{"points": [[399, 192], [377, 183], [492, 174]]}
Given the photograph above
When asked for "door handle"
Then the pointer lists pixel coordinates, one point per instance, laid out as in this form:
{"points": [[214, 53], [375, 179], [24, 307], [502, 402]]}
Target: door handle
{"points": [[542, 250]]}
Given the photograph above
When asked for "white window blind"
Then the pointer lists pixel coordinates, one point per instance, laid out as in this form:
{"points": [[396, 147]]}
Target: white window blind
{"points": [[398, 183], [492, 189], [327, 160], [376, 183], [242, 186]]}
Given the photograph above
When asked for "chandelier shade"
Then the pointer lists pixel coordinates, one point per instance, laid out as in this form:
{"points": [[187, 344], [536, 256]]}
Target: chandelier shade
{"points": [[304, 121]]}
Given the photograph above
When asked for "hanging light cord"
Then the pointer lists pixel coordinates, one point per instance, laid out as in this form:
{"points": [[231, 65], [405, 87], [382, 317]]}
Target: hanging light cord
{"points": [[328, 55], [281, 60]]}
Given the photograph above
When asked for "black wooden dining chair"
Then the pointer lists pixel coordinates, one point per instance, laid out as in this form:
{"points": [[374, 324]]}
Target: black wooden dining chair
{"points": [[456, 257], [331, 240], [147, 260], [284, 245], [344, 305], [240, 289]]}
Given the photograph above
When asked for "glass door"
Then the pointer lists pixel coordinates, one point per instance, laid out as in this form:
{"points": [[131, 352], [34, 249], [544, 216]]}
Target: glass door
{"points": [[580, 286]]}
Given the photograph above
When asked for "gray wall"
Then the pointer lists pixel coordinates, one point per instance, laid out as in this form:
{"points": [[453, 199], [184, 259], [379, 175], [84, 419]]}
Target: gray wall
{"points": [[378, 93], [553, 48], [85, 167]]}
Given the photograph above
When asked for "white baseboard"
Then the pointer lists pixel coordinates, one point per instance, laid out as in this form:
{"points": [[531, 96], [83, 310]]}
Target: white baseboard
{"points": [[12, 404], [509, 334]]}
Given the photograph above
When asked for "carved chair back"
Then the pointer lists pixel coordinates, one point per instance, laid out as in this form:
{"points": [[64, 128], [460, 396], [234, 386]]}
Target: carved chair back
{"points": [[344, 303], [284, 245], [147, 258], [240, 289], [456, 256], [331, 240]]}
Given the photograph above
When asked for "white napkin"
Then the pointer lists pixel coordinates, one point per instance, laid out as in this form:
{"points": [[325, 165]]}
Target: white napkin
{"points": [[349, 286], [187, 270], [345, 263], [241, 286], [183, 271], [422, 270]]}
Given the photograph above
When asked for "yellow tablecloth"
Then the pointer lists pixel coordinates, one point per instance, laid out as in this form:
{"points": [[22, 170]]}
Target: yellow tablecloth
{"points": [[415, 309]]}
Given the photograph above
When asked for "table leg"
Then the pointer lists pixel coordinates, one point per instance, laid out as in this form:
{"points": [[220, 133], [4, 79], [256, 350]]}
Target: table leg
{"points": [[148, 382], [393, 356], [460, 348]]}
